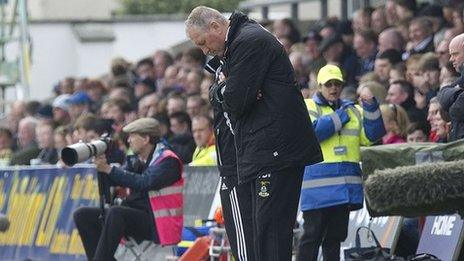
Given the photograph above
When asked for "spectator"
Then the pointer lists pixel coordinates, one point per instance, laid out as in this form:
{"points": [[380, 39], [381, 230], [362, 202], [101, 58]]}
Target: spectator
{"points": [[17, 112], [193, 82], [96, 91], [79, 103], [301, 74], [195, 106], [148, 106], [143, 87], [26, 142], [205, 84], [405, 9], [384, 63], [403, 28], [6, 146], [175, 103], [181, 141], [402, 93], [328, 28], [434, 13], [120, 73], [81, 84], [193, 59], [59, 139], [365, 45], [286, 28], [378, 20], [373, 89], [448, 75], [398, 73], [417, 133], [31, 108], [361, 19], [312, 41], [121, 93], [430, 71], [117, 111], [442, 52], [61, 110], [390, 12], [420, 36], [45, 140], [390, 38], [451, 97], [432, 117], [145, 70], [67, 85], [203, 134], [162, 60], [396, 122], [45, 114]]}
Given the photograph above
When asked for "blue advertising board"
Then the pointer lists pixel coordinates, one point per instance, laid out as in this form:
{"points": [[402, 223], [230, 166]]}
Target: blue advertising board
{"points": [[39, 203]]}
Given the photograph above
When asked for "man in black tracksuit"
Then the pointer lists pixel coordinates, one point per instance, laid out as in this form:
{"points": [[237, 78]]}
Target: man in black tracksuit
{"points": [[273, 136]]}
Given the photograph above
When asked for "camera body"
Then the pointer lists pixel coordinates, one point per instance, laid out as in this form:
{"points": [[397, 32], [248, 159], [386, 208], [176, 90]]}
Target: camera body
{"points": [[82, 151]]}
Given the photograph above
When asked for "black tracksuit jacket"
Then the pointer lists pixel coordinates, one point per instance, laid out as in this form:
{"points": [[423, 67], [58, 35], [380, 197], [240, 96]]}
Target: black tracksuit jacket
{"points": [[273, 132]]}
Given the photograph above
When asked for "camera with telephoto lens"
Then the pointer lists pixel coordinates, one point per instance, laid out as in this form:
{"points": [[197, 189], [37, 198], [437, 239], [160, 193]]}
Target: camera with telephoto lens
{"points": [[81, 151]]}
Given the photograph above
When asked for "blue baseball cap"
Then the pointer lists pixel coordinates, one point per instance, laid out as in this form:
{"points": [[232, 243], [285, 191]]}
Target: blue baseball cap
{"points": [[78, 98]]}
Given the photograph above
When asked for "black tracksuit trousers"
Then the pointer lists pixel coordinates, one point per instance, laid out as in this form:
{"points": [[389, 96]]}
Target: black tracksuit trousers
{"points": [[270, 204]]}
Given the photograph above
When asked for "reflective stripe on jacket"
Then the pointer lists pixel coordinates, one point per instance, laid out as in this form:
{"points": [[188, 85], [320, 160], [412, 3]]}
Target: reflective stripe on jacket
{"points": [[167, 206], [337, 180]]}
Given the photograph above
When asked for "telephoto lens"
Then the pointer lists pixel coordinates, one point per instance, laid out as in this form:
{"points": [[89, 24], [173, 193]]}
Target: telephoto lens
{"points": [[80, 152]]}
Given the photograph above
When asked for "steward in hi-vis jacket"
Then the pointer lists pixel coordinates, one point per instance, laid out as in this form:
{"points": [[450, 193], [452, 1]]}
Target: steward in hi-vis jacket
{"points": [[333, 188]]}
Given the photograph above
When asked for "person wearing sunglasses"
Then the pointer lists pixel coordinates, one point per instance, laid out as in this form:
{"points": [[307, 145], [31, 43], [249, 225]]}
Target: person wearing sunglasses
{"points": [[333, 188]]}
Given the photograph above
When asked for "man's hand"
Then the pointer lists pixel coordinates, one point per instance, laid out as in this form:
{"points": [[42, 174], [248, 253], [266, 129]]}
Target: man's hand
{"points": [[102, 165]]}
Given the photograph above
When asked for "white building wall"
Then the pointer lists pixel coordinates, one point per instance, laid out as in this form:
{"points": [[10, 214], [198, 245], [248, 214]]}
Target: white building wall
{"points": [[58, 52]]}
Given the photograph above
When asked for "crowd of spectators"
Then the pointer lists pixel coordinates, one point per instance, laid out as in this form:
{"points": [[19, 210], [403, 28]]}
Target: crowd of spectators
{"points": [[397, 52]]}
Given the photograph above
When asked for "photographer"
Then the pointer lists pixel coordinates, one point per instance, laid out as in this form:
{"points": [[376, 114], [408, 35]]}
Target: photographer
{"points": [[154, 177]]}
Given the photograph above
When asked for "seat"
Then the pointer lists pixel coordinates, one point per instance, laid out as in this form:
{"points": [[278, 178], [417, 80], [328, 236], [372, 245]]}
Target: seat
{"points": [[130, 250]]}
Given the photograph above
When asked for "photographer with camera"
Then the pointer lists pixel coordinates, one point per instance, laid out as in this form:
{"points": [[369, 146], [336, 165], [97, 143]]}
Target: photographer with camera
{"points": [[153, 209]]}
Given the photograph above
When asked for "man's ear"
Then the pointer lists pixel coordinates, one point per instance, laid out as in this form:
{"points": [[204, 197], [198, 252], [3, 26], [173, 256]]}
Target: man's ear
{"points": [[215, 26]]}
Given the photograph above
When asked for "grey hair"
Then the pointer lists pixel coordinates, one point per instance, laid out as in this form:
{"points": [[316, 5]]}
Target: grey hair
{"points": [[201, 16]]}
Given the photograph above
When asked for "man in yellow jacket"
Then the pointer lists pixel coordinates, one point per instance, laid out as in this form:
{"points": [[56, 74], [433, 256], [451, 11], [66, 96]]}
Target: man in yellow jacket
{"points": [[205, 152]]}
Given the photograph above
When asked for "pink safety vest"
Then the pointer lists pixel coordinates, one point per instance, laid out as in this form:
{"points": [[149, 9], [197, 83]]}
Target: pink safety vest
{"points": [[167, 205]]}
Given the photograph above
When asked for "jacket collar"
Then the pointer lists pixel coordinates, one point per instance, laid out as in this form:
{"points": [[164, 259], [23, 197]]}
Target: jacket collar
{"points": [[320, 100], [236, 20]]}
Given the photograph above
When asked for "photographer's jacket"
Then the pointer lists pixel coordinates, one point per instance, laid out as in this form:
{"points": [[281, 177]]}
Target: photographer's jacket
{"points": [[341, 128], [158, 190], [270, 122]]}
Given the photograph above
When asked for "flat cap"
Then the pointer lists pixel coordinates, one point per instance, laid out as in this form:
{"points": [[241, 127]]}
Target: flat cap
{"points": [[148, 126]]}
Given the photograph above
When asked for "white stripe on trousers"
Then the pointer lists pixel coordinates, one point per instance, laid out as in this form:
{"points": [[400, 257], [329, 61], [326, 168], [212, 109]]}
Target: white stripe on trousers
{"points": [[241, 245]]}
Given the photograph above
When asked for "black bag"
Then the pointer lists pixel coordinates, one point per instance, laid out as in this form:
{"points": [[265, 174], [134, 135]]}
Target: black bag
{"points": [[373, 253]]}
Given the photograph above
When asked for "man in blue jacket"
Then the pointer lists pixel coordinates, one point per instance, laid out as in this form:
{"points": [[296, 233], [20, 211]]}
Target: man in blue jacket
{"points": [[272, 135], [333, 188]]}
